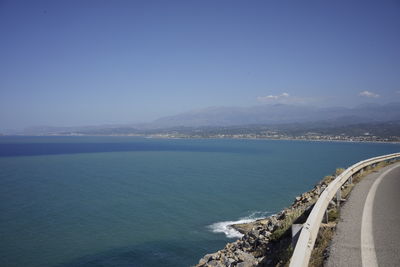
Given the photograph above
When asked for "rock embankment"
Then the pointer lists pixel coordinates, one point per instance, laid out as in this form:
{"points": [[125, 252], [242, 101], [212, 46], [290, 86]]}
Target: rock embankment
{"points": [[266, 242]]}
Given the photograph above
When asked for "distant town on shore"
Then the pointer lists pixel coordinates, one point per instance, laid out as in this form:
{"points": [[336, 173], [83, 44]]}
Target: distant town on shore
{"points": [[363, 123], [363, 132]]}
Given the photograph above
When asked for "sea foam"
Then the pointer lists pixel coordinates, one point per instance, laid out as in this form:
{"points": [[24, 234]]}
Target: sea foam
{"points": [[224, 227]]}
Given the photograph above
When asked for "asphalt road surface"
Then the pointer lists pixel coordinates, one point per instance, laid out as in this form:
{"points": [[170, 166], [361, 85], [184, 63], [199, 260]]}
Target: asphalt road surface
{"points": [[368, 233]]}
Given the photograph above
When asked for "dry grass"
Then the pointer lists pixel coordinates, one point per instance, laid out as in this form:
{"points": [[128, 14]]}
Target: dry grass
{"points": [[285, 257], [319, 255], [339, 171], [333, 215], [346, 190]]}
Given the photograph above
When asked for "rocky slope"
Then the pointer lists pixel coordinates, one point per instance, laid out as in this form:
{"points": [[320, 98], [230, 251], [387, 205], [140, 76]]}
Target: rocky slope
{"points": [[266, 242]]}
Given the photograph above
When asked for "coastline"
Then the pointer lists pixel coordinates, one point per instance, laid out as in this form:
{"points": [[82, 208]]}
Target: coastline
{"points": [[209, 138], [267, 241], [274, 139]]}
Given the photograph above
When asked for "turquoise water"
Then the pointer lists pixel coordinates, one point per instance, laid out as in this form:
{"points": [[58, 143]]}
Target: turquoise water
{"points": [[125, 201]]}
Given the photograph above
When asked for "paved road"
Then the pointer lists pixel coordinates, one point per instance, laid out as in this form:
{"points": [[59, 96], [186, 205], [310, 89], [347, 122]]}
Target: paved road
{"points": [[368, 233]]}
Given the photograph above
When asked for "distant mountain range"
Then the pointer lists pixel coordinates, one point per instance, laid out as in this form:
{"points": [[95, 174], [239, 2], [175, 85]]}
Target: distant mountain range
{"points": [[280, 114], [285, 115]]}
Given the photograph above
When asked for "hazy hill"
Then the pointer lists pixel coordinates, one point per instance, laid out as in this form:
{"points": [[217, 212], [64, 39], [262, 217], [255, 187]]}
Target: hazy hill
{"points": [[287, 116], [276, 114]]}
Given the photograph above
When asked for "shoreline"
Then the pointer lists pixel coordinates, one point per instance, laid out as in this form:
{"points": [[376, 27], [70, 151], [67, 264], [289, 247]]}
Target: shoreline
{"points": [[269, 139], [209, 138], [267, 241]]}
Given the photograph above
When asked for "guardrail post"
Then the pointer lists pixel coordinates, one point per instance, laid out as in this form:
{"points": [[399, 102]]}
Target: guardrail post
{"points": [[326, 216], [338, 197], [351, 179]]}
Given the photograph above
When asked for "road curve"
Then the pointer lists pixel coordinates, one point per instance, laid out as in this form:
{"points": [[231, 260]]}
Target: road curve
{"points": [[368, 233]]}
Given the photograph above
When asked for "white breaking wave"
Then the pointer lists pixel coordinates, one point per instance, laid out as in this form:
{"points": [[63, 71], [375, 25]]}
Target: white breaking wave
{"points": [[224, 227]]}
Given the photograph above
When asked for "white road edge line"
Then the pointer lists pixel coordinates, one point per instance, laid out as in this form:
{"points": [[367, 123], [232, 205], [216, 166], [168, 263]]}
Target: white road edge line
{"points": [[368, 254]]}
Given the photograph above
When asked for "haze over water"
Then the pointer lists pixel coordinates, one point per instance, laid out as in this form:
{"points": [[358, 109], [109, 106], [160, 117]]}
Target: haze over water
{"points": [[124, 201]]}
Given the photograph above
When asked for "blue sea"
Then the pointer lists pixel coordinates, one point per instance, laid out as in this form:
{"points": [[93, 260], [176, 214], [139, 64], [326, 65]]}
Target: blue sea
{"points": [[130, 201]]}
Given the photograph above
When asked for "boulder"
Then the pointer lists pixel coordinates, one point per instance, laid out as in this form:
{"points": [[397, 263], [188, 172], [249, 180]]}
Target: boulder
{"points": [[246, 257], [281, 215], [215, 263], [254, 233], [206, 259], [229, 261], [272, 225], [245, 264]]}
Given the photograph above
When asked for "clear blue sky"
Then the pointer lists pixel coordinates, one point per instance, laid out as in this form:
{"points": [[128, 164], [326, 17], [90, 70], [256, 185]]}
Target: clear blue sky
{"points": [[94, 62]]}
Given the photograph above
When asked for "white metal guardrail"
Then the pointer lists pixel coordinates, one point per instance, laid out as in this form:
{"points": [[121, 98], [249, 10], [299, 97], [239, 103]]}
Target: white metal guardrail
{"points": [[308, 235]]}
